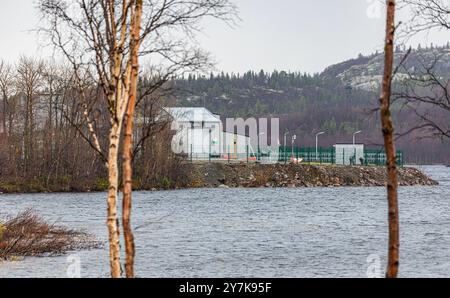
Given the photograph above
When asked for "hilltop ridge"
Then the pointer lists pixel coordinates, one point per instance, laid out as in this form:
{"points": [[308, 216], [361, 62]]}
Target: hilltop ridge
{"points": [[365, 72]]}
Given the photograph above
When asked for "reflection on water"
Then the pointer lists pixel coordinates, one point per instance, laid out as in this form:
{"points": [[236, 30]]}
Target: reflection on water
{"points": [[301, 232]]}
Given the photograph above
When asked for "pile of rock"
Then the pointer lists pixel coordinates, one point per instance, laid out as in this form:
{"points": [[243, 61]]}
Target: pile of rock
{"points": [[277, 175]]}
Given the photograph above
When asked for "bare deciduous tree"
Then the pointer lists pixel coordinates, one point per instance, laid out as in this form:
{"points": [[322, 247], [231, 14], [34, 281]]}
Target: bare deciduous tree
{"points": [[8, 105], [29, 74], [425, 89], [426, 15], [426, 94], [110, 36], [5, 87]]}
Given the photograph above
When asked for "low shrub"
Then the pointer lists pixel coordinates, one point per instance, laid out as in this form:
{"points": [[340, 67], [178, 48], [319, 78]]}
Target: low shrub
{"points": [[165, 183], [101, 184], [9, 187], [29, 235]]}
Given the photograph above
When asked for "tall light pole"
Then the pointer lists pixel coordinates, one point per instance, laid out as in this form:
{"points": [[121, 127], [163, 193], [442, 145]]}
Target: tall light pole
{"points": [[354, 144], [188, 146], [210, 141], [317, 144], [294, 138], [354, 137], [285, 144], [259, 148]]}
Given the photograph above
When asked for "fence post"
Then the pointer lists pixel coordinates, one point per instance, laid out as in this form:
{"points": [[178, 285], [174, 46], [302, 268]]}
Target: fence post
{"points": [[332, 157], [403, 158], [300, 153], [285, 155], [310, 154], [246, 148], [320, 155], [293, 154], [307, 151]]}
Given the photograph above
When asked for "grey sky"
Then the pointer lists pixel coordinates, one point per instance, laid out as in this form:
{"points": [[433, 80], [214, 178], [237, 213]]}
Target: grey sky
{"points": [[303, 35]]}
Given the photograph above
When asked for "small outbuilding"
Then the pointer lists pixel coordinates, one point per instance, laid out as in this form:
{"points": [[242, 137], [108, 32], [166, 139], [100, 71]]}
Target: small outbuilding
{"points": [[349, 154]]}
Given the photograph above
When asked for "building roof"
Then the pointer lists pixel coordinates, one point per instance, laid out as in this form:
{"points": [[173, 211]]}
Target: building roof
{"points": [[192, 115]]}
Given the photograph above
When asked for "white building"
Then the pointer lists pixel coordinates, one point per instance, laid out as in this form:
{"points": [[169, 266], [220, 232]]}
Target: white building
{"points": [[349, 154], [200, 134]]}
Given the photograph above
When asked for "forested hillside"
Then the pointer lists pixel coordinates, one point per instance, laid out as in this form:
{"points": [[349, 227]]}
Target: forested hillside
{"points": [[337, 101]]}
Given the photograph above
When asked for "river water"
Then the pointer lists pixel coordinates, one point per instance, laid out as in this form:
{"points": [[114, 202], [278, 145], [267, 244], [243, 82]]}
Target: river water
{"points": [[304, 232]]}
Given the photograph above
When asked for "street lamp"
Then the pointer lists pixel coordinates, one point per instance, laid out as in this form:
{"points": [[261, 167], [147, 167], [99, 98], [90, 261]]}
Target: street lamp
{"points": [[294, 137], [210, 141], [188, 146], [354, 144], [317, 144], [259, 148], [285, 144], [354, 137]]}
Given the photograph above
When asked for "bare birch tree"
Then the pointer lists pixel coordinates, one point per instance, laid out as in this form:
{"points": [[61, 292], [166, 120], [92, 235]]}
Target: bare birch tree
{"points": [[102, 30], [110, 36], [389, 137]]}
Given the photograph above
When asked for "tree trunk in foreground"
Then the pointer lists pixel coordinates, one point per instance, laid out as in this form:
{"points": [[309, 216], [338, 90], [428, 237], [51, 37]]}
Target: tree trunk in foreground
{"points": [[388, 134], [128, 143], [112, 219]]}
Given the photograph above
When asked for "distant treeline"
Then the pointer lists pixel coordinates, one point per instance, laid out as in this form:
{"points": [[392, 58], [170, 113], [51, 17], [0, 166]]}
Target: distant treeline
{"points": [[44, 140]]}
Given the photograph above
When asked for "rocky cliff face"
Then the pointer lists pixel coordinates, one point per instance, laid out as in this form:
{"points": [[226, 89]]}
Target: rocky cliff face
{"points": [[257, 175], [365, 72]]}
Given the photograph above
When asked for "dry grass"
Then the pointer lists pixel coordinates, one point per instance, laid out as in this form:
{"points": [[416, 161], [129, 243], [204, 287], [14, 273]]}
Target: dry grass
{"points": [[27, 234]]}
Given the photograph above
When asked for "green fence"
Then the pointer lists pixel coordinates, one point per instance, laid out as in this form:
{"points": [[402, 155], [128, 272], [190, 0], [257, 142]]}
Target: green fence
{"points": [[301, 154], [328, 156], [377, 157]]}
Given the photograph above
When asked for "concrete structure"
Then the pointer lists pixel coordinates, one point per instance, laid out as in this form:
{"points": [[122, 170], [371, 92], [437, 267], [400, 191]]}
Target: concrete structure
{"points": [[349, 154], [200, 135]]}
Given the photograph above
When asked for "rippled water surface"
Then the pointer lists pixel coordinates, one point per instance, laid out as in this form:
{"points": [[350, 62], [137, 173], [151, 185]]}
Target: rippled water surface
{"points": [[318, 232]]}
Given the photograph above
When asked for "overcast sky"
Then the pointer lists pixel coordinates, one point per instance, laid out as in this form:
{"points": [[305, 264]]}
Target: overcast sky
{"points": [[296, 35]]}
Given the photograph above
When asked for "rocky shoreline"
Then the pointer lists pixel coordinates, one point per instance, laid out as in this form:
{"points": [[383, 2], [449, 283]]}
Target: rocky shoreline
{"points": [[213, 175], [259, 175]]}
